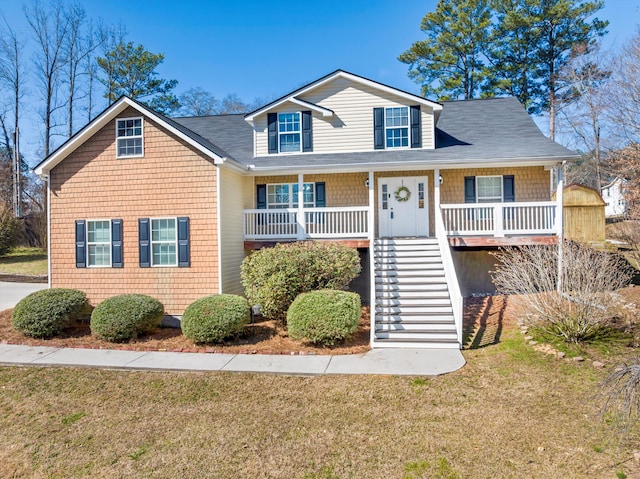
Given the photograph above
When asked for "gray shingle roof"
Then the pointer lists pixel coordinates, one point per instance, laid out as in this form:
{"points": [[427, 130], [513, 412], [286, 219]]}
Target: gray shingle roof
{"points": [[470, 132]]}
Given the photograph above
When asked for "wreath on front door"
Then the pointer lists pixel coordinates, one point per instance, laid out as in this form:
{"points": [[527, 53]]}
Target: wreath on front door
{"points": [[402, 194]]}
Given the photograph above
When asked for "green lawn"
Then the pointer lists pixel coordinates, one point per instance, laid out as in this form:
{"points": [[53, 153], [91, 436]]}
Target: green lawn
{"points": [[29, 261], [510, 412]]}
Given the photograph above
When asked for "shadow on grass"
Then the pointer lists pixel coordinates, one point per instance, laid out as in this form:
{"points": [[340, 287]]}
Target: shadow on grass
{"points": [[22, 259], [483, 321]]}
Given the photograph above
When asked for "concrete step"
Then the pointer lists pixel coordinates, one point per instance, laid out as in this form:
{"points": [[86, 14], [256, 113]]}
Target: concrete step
{"points": [[415, 343]]}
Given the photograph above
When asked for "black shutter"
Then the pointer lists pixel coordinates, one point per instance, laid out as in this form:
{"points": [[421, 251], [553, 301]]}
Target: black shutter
{"points": [[81, 244], [469, 189], [116, 243], [261, 203], [508, 190], [272, 120], [307, 136], [378, 128], [184, 253], [416, 131], [261, 197], [321, 196], [144, 242]]}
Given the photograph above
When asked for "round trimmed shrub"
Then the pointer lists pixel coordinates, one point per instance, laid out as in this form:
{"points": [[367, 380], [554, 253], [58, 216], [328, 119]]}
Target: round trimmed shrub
{"points": [[323, 317], [121, 318], [274, 277], [45, 313], [213, 318]]}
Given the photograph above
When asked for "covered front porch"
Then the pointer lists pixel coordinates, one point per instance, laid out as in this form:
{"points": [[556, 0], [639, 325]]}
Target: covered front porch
{"points": [[409, 222], [469, 224]]}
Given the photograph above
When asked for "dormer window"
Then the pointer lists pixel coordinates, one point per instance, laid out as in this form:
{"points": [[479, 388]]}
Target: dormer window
{"points": [[289, 132], [396, 127], [129, 139]]}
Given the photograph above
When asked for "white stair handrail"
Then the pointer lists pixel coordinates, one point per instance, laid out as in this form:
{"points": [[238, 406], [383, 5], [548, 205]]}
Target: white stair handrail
{"points": [[455, 295]]}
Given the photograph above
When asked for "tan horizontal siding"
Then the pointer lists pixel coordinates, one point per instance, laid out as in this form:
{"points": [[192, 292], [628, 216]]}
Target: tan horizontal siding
{"points": [[351, 127], [233, 193]]}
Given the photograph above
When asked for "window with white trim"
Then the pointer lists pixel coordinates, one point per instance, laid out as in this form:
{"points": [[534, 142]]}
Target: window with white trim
{"points": [[129, 137], [164, 242], [285, 195], [489, 189], [289, 129], [396, 127], [99, 243]]}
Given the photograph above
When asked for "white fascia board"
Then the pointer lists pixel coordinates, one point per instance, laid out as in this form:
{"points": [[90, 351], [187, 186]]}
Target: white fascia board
{"points": [[104, 118], [404, 166]]}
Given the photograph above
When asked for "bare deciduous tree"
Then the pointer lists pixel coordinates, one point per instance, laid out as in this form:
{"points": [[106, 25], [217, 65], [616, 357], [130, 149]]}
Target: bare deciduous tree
{"points": [[198, 102], [586, 77], [50, 28], [583, 307], [12, 78]]}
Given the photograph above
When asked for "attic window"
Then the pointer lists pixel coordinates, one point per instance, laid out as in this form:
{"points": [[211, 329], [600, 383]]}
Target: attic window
{"points": [[289, 131], [397, 127], [129, 137]]}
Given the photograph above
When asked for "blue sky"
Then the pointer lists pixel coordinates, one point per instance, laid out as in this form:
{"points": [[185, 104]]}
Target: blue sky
{"points": [[266, 49]]}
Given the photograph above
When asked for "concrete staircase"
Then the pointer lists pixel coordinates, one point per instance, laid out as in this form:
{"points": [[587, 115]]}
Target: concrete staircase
{"points": [[412, 304]]}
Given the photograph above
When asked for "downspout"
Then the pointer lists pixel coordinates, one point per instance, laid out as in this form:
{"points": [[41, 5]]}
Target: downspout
{"points": [[560, 222], [372, 261], [47, 178]]}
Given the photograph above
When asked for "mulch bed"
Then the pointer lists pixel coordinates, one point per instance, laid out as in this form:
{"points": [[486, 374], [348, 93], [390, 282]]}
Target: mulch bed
{"points": [[262, 337]]}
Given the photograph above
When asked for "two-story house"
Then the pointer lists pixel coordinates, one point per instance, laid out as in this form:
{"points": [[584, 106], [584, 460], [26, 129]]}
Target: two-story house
{"points": [[170, 207]]}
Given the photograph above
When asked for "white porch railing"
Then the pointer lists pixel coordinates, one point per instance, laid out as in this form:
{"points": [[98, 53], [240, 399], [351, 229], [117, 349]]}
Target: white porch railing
{"points": [[499, 219], [347, 222]]}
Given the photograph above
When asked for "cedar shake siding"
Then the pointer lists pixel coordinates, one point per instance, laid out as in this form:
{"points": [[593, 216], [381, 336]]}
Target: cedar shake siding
{"points": [[530, 183], [170, 180]]}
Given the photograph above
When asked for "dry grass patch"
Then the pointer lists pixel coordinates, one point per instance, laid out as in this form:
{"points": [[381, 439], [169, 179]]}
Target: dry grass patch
{"points": [[24, 261], [511, 412]]}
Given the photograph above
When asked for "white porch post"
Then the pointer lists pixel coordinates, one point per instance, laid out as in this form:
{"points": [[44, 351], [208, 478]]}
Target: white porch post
{"points": [[436, 198], [559, 220], [498, 221], [302, 222], [372, 261]]}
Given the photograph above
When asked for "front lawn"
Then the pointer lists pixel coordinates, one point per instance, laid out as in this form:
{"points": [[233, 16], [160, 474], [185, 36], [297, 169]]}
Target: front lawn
{"points": [[510, 412], [25, 261]]}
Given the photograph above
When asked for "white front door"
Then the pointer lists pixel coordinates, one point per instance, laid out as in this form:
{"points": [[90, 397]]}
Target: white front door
{"points": [[403, 206]]}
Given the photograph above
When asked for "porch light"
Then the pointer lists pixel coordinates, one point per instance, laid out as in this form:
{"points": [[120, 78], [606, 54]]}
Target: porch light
{"points": [[440, 179], [366, 182]]}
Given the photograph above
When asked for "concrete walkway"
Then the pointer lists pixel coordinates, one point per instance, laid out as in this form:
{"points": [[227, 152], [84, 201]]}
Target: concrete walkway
{"points": [[402, 362], [12, 293]]}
